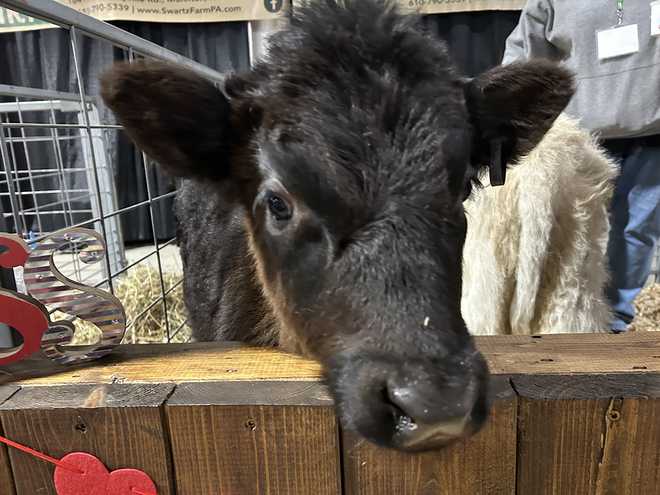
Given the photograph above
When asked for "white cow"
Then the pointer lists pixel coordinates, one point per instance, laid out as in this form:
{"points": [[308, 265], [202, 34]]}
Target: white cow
{"points": [[535, 254]]}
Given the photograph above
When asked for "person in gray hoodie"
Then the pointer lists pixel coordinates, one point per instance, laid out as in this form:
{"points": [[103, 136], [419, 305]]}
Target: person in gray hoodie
{"points": [[613, 47]]}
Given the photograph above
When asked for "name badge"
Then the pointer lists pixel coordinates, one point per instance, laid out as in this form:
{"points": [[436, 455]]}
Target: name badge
{"points": [[618, 41], [655, 19]]}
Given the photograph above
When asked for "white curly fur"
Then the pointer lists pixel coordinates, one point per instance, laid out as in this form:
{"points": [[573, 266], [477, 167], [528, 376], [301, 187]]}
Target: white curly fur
{"points": [[535, 254]]}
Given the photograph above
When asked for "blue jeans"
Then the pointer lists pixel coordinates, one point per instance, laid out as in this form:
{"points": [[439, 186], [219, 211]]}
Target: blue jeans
{"points": [[635, 218]]}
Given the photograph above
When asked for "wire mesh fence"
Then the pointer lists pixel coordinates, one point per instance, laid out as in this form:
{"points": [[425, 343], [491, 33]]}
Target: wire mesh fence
{"points": [[45, 195], [57, 147]]}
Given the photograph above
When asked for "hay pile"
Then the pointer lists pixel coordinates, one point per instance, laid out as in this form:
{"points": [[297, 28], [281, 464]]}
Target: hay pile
{"points": [[647, 308], [136, 291]]}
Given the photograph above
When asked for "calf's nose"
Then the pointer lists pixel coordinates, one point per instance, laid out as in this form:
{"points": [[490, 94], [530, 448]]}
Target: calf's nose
{"points": [[430, 405], [427, 415], [412, 404]]}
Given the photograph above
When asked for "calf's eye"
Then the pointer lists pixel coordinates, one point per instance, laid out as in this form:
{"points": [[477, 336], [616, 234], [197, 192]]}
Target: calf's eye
{"points": [[278, 207]]}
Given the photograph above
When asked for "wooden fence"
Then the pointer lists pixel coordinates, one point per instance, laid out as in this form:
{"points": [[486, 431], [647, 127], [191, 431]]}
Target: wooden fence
{"points": [[573, 415]]}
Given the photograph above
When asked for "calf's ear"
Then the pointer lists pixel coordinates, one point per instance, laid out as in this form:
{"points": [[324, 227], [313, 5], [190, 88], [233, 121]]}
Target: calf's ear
{"points": [[176, 117], [512, 107]]}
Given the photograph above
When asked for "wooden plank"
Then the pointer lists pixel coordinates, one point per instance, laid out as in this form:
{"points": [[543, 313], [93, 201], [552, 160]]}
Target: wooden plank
{"points": [[577, 353], [239, 393], [7, 391], [630, 459], [6, 478], [484, 464], [636, 352], [559, 442], [223, 443], [596, 386], [589, 435], [121, 424], [171, 363]]}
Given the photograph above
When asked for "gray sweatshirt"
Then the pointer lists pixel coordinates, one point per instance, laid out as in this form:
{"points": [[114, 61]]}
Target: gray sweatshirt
{"points": [[616, 98]]}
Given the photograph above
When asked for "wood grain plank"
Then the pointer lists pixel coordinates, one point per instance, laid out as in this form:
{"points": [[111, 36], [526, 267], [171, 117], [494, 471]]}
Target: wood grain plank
{"points": [[572, 353], [6, 478], [636, 352], [121, 424], [592, 435], [171, 363], [592, 386], [220, 447], [630, 459], [484, 464], [239, 393], [559, 445], [6, 391]]}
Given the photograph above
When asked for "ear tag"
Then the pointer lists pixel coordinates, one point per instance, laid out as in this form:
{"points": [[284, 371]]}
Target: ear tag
{"points": [[497, 167]]}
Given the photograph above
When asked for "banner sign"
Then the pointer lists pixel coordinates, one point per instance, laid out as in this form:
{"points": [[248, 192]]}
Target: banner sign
{"points": [[221, 10], [155, 11], [445, 6]]}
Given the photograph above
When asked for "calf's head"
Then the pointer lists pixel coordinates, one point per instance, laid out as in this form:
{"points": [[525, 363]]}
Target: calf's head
{"points": [[350, 149]]}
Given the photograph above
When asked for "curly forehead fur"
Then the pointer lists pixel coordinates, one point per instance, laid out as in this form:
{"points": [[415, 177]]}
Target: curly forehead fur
{"points": [[344, 47], [361, 91]]}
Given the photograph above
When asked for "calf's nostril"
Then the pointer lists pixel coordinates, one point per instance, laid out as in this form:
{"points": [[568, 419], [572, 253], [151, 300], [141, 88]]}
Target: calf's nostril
{"points": [[408, 405], [403, 422], [391, 401], [399, 396]]}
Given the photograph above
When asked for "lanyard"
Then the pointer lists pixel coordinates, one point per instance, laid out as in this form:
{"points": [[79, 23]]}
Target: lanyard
{"points": [[619, 12]]}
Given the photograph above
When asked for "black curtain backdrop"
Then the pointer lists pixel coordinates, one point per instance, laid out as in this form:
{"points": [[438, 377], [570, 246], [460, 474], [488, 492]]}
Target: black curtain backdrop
{"points": [[476, 39], [42, 59]]}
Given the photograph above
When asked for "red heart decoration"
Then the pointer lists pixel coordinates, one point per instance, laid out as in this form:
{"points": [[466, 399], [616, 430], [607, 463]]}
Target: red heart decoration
{"points": [[92, 478]]}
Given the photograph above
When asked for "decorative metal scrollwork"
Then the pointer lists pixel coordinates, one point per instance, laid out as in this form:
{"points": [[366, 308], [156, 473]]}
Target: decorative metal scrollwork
{"points": [[50, 291]]}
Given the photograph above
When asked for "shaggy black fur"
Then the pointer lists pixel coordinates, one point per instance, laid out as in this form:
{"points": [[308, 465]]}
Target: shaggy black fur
{"points": [[325, 211]]}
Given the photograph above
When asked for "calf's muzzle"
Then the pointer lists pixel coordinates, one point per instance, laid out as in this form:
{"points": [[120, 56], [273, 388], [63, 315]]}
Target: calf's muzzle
{"points": [[414, 404]]}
